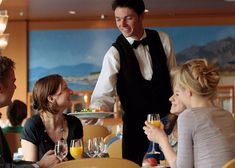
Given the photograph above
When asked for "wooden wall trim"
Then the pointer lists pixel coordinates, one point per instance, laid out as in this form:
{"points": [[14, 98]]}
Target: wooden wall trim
{"points": [[157, 21]]}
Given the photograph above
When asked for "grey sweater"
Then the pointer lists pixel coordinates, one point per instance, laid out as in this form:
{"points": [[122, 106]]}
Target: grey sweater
{"points": [[206, 138]]}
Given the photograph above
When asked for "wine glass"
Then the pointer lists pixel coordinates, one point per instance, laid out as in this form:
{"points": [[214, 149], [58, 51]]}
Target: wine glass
{"points": [[92, 149], [154, 119], [100, 145], [76, 148], [61, 149]]}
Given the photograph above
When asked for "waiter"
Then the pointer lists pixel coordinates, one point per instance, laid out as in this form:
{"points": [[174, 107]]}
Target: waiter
{"points": [[136, 68]]}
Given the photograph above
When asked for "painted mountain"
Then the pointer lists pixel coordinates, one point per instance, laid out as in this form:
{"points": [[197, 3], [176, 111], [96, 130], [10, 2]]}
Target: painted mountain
{"points": [[78, 76], [84, 76], [221, 53]]}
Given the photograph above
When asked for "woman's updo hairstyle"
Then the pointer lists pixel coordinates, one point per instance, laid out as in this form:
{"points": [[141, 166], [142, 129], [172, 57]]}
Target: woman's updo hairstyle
{"points": [[198, 76]]}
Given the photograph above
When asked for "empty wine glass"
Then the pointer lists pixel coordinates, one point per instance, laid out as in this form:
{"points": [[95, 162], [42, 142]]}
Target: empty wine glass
{"points": [[61, 149], [99, 143], [154, 119], [76, 148], [92, 149]]}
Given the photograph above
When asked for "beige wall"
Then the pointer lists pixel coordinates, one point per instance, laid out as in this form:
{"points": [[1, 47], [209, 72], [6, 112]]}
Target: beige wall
{"points": [[17, 47], [17, 50]]}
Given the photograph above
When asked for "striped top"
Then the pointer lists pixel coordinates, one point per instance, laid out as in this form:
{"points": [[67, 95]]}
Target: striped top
{"points": [[206, 138]]}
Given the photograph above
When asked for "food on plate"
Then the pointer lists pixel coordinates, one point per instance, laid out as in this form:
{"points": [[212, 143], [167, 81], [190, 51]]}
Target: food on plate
{"points": [[91, 110], [86, 110], [96, 110]]}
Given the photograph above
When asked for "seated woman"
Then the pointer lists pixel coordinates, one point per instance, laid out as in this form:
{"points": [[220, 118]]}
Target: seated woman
{"points": [[171, 126], [51, 97], [205, 132], [176, 108], [16, 113]]}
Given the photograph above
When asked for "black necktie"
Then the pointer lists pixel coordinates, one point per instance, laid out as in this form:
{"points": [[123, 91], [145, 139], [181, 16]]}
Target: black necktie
{"points": [[137, 43]]}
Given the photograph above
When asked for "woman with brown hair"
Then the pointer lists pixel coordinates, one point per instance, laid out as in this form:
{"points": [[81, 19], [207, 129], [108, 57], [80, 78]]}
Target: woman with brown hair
{"points": [[7, 89], [51, 97]]}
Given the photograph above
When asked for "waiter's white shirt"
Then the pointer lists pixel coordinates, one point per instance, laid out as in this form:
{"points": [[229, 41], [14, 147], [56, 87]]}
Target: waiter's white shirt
{"points": [[105, 90]]}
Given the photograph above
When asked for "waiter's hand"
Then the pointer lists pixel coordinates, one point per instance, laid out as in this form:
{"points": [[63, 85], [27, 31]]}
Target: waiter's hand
{"points": [[88, 121], [93, 121]]}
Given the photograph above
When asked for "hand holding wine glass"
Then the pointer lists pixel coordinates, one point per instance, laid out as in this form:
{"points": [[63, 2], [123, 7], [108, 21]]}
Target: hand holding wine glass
{"points": [[61, 149], [76, 148], [154, 119]]}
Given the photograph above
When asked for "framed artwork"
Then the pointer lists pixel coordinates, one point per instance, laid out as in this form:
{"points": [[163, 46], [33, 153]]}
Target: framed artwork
{"points": [[225, 98], [77, 54]]}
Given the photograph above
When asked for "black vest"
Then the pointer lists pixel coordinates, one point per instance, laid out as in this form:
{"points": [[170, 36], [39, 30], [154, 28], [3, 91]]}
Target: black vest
{"points": [[138, 96]]}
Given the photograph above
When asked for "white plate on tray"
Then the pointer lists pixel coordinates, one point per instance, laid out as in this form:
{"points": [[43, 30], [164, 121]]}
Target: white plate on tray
{"points": [[91, 114]]}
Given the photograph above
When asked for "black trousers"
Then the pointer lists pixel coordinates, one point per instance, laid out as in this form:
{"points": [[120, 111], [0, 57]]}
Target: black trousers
{"points": [[135, 143]]}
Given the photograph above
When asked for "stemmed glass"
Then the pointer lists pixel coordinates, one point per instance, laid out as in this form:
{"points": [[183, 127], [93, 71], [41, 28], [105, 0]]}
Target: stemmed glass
{"points": [[92, 148], [99, 142], [76, 148], [154, 119], [95, 147], [61, 149]]}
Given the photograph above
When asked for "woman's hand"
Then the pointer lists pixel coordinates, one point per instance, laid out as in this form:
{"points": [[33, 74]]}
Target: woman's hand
{"points": [[48, 160], [154, 133]]}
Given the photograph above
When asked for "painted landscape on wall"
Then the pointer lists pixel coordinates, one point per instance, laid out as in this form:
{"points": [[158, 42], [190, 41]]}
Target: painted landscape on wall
{"points": [[77, 54]]}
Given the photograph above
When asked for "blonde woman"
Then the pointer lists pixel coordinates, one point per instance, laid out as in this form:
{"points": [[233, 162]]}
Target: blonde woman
{"points": [[206, 133], [176, 108]]}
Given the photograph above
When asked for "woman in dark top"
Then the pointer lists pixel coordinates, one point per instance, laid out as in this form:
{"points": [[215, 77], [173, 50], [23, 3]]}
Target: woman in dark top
{"points": [[51, 97], [7, 87]]}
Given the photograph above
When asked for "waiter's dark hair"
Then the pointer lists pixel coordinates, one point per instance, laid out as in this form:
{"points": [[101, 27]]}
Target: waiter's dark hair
{"points": [[137, 5]]}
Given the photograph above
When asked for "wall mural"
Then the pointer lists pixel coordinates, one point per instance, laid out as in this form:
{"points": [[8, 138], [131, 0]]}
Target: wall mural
{"points": [[77, 54]]}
